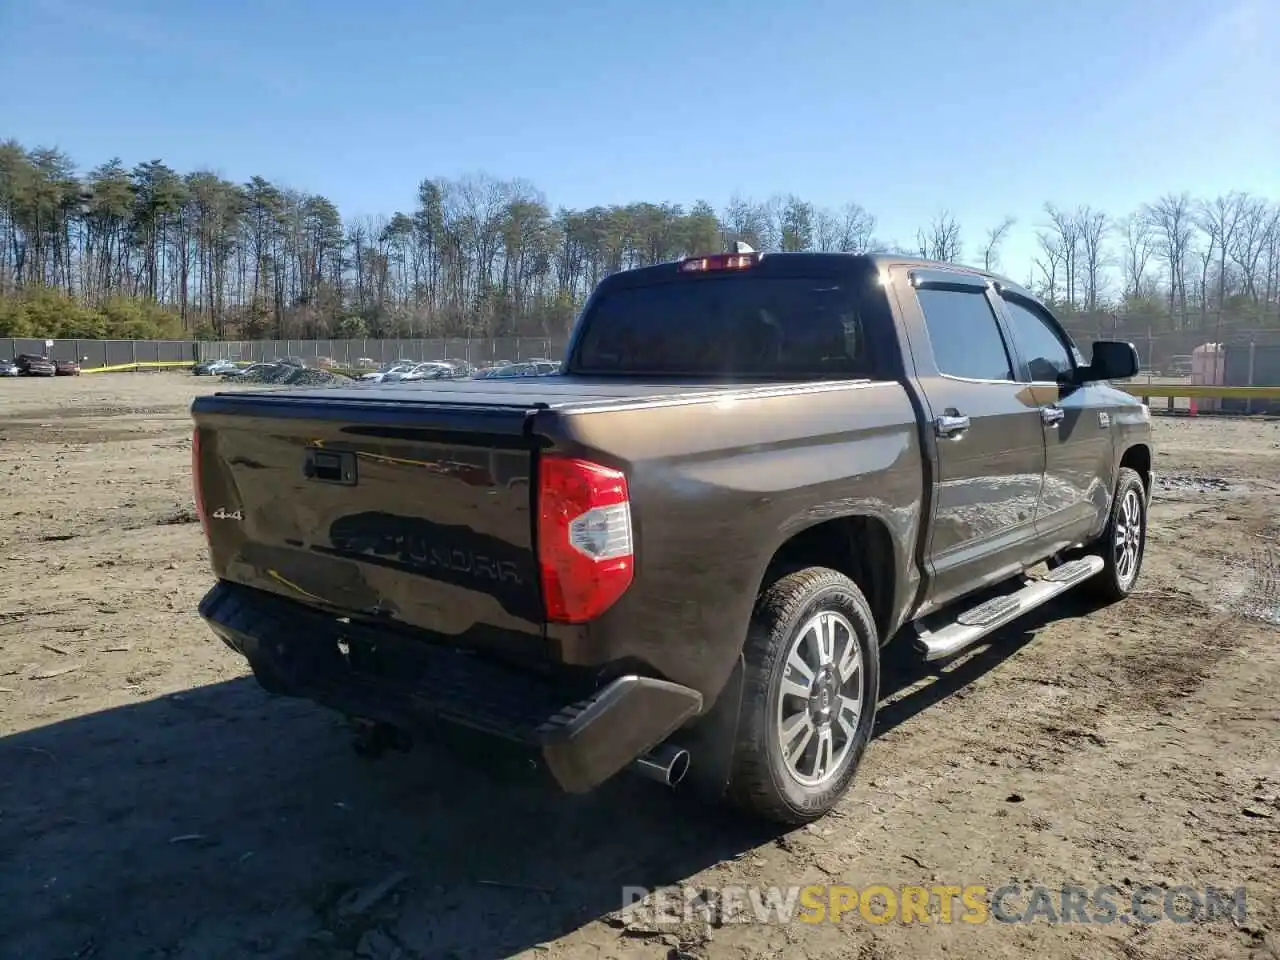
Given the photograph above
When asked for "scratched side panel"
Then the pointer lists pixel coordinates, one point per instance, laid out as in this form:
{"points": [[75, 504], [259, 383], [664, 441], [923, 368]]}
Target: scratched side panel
{"points": [[717, 487], [435, 532]]}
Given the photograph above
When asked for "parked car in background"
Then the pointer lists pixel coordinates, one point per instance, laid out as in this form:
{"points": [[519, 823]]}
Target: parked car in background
{"points": [[237, 372], [426, 370], [213, 368], [436, 370], [487, 370], [35, 365], [418, 371], [377, 376], [66, 368], [9, 369], [526, 368], [461, 368]]}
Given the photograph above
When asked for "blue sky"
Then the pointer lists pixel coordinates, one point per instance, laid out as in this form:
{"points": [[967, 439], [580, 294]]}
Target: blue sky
{"points": [[984, 109]]}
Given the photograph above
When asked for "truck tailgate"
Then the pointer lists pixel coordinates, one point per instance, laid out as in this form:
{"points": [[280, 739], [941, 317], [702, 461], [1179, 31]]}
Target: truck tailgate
{"points": [[414, 512]]}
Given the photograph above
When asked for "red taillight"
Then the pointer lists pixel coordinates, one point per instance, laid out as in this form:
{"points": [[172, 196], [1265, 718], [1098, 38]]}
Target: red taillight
{"points": [[585, 549], [719, 261], [197, 489]]}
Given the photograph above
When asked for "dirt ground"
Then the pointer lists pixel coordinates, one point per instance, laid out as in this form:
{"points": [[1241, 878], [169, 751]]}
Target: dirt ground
{"points": [[155, 803]]}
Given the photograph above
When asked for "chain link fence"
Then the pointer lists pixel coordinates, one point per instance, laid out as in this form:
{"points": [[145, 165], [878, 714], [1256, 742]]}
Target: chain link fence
{"points": [[1167, 354], [92, 354]]}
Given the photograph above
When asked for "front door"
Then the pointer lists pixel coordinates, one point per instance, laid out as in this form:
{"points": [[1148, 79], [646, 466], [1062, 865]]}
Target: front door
{"points": [[988, 438], [1076, 423]]}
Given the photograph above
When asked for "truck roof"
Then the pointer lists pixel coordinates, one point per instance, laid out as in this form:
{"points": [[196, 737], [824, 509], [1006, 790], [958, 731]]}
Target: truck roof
{"points": [[796, 264]]}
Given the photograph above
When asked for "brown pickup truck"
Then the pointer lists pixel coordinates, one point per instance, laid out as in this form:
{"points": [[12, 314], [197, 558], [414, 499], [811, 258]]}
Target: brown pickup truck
{"points": [[685, 552]]}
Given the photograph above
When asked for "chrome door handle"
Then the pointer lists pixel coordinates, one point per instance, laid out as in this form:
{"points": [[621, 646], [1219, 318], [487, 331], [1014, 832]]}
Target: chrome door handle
{"points": [[948, 426], [1051, 416]]}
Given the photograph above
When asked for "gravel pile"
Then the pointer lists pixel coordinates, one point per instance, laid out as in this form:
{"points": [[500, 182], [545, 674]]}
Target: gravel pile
{"points": [[294, 376], [265, 375], [314, 378]]}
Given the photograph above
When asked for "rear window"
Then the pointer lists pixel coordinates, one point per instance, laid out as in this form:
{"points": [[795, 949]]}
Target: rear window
{"points": [[727, 326]]}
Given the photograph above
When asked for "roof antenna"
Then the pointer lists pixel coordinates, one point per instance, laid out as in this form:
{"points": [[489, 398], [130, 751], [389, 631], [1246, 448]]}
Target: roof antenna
{"points": [[741, 246]]}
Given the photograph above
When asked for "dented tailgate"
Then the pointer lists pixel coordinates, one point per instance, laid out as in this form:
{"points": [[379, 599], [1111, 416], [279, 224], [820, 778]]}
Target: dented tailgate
{"points": [[417, 512]]}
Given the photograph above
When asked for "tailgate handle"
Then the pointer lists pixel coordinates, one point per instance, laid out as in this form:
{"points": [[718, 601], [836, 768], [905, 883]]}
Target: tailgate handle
{"points": [[330, 466]]}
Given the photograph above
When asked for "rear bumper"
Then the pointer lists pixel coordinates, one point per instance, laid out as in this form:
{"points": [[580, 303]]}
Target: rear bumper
{"points": [[294, 650]]}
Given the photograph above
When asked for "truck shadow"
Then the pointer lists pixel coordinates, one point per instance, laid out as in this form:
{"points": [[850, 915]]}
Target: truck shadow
{"points": [[901, 668], [222, 822]]}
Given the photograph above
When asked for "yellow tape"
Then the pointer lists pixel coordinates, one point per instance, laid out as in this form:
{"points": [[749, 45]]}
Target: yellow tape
{"points": [[143, 364], [1200, 391]]}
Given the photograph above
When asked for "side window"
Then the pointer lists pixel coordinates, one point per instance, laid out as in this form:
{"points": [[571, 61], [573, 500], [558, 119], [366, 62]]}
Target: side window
{"points": [[965, 335], [1047, 356]]}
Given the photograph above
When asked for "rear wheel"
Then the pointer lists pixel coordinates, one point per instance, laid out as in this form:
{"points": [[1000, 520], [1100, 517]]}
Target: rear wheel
{"points": [[809, 698]]}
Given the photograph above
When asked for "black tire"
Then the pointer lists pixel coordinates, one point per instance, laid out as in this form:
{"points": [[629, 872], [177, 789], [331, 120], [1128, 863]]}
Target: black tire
{"points": [[1115, 582], [1117, 579], [762, 781]]}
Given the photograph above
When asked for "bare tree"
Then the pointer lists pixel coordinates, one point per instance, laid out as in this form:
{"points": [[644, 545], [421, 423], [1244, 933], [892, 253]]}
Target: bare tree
{"points": [[1220, 220], [1049, 263], [1253, 229], [941, 239], [1204, 256], [1092, 228], [856, 228], [795, 218], [746, 220], [826, 231], [1269, 305], [772, 212], [1171, 221], [995, 237], [1137, 253], [1066, 228]]}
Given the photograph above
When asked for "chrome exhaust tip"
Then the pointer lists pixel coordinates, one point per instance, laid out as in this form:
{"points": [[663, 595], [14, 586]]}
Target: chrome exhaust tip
{"points": [[667, 764]]}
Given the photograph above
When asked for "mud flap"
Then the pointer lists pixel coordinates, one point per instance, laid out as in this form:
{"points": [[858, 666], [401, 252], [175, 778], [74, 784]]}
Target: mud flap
{"points": [[710, 741]]}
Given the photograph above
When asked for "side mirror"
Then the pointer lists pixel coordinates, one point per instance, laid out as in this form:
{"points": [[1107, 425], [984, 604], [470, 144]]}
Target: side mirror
{"points": [[1112, 360]]}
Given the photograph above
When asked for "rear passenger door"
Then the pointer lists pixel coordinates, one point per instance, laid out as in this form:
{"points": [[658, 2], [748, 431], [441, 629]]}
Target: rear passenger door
{"points": [[985, 431]]}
